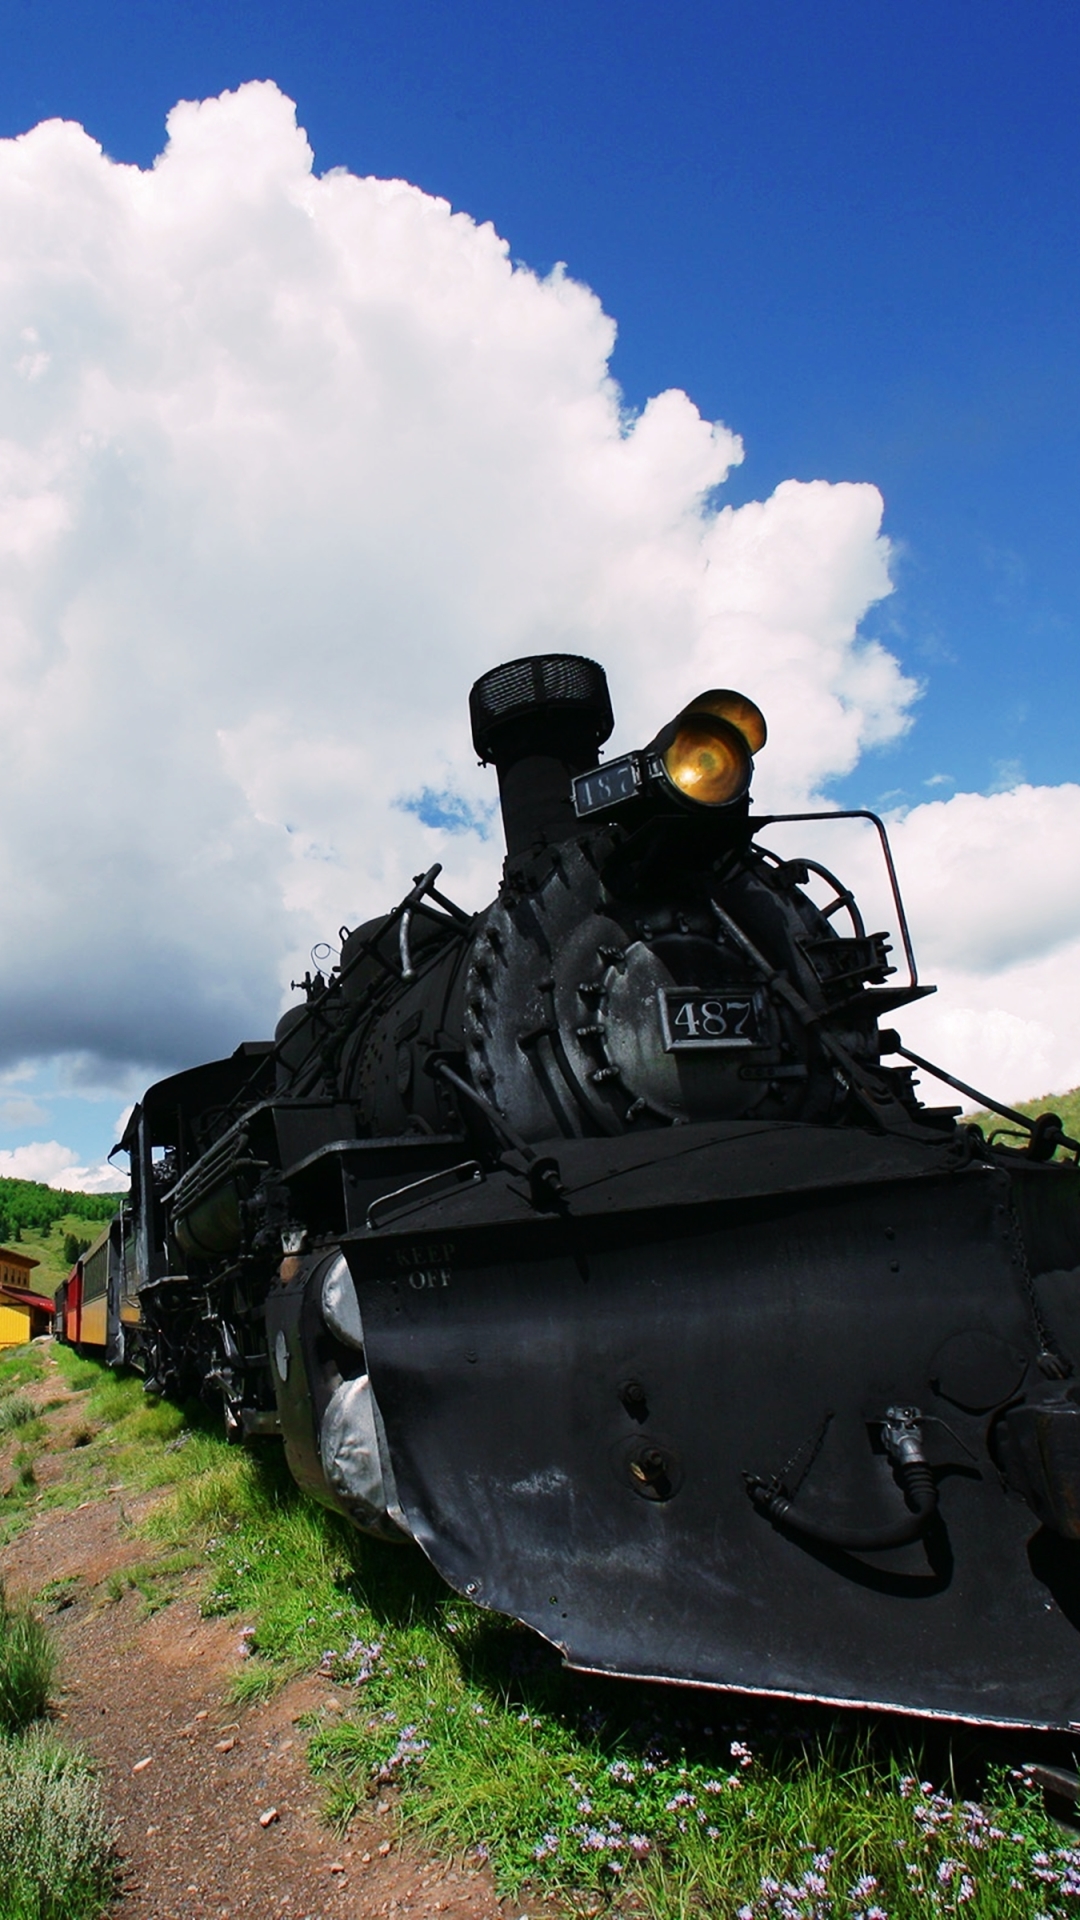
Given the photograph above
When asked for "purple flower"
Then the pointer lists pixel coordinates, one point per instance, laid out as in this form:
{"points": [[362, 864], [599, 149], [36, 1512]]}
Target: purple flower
{"points": [[593, 1841]]}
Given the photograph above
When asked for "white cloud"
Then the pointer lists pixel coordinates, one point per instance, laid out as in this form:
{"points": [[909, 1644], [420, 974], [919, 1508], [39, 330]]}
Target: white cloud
{"points": [[285, 463], [57, 1166], [991, 886]]}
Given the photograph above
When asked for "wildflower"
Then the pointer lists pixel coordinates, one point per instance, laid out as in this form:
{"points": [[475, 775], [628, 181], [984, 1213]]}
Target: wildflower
{"points": [[544, 1848], [408, 1752], [947, 1871], [740, 1751], [619, 1771], [639, 1845], [592, 1840], [713, 1786], [966, 1890], [867, 1883], [584, 1805], [681, 1799]]}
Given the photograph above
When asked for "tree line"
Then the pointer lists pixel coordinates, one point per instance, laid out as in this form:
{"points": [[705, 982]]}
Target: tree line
{"points": [[27, 1204]]}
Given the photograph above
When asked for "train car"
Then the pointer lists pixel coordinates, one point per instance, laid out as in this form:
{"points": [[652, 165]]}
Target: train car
{"points": [[93, 1265], [97, 1306], [600, 1243], [68, 1306]]}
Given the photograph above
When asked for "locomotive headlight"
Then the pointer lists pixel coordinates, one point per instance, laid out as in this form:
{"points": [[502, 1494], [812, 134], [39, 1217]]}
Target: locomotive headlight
{"points": [[737, 708], [705, 759], [704, 756]]}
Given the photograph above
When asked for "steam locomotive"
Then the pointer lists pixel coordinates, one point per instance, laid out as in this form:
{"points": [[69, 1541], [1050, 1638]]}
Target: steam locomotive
{"points": [[600, 1243]]}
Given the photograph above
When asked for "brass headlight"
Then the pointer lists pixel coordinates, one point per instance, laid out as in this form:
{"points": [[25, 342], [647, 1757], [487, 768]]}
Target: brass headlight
{"points": [[737, 708], [705, 759]]}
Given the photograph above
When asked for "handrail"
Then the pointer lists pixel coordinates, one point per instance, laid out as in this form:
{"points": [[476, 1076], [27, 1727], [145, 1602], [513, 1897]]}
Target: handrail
{"points": [[858, 813]]}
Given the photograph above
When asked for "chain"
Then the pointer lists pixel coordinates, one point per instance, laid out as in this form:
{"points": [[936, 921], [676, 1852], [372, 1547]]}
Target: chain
{"points": [[1052, 1360], [780, 1481]]}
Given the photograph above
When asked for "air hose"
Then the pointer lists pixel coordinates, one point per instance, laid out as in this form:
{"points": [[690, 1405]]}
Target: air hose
{"points": [[901, 1438]]}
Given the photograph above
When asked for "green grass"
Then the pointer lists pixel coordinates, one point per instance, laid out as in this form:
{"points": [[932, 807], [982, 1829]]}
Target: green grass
{"points": [[19, 1368], [16, 1411], [56, 1846], [27, 1668], [57, 1860], [611, 1796]]}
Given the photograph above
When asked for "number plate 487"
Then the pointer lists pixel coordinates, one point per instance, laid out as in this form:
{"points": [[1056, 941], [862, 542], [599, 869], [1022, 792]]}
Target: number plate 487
{"points": [[699, 1017]]}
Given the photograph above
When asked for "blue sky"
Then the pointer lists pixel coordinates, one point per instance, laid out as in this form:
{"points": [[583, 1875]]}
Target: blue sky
{"points": [[849, 232]]}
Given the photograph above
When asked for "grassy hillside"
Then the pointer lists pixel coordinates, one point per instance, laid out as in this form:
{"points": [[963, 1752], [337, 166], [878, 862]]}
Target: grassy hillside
{"points": [[50, 1247], [39, 1221], [1065, 1105]]}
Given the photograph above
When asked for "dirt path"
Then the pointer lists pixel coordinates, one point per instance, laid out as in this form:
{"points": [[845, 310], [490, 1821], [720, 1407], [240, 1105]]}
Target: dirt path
{"points": [[216, 1814]]}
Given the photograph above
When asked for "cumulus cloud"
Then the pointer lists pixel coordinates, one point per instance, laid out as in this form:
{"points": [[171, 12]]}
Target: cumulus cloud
{"points": [[287, 461], [56, 1166], [991, 888], [992, 884]]}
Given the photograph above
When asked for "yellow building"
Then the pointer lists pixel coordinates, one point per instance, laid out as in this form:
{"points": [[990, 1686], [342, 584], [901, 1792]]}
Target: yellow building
{"points": [[23, 1313]]}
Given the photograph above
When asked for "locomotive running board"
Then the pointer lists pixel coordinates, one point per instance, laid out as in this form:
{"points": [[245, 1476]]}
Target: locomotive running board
{"points": [[730, 1300]]}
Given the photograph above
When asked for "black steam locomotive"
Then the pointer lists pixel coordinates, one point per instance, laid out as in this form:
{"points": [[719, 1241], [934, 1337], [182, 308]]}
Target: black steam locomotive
{"points": [[589, 1242]]}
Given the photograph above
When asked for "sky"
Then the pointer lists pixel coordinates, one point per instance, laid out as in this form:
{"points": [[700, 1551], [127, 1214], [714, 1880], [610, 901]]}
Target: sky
{"points": [[724, 344]]}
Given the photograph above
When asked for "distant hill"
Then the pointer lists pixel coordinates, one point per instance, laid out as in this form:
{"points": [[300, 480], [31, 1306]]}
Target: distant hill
{"points": [[26, 1203], [1065, 1105], [50, 1225]]}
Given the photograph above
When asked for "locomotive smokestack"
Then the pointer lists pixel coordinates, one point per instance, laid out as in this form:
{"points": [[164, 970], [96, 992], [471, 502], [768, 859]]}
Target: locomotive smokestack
{"points": [[541, 720]]}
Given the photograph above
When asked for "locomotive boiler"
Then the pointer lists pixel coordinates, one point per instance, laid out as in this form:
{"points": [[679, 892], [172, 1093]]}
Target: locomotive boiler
{"points": [[600, 1243]]}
